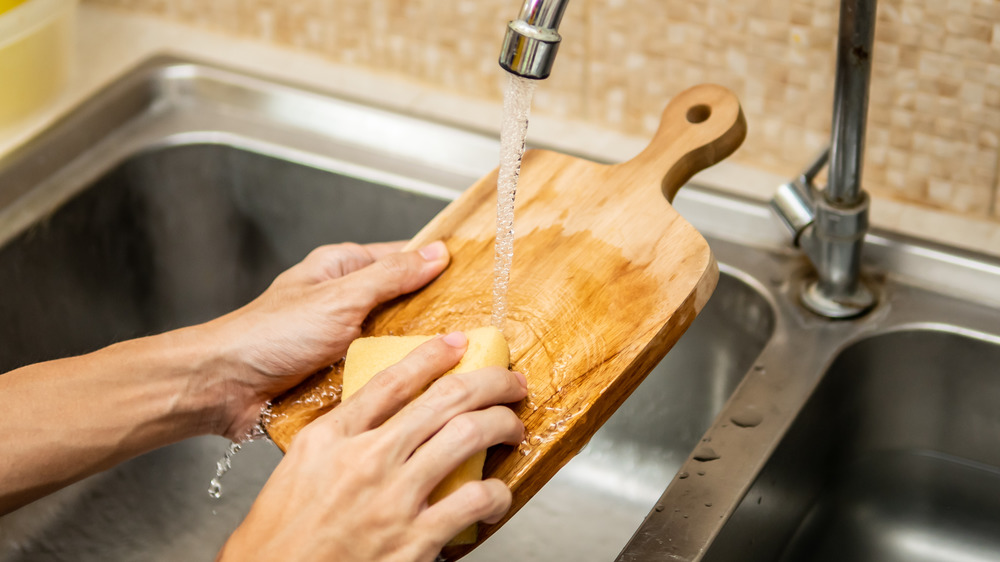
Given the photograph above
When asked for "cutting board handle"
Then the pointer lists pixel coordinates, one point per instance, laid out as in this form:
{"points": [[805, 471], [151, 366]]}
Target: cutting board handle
{"points": [[699, 128]]}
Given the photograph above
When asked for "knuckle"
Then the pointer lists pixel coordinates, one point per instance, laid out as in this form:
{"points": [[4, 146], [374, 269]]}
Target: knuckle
{"points": [[335, 259], [506, 380], [324, 254], [514, 384], [395, 265], [347, 247], [452, 389], [315, 437], [369, 458], [392, 382], [484, 499], [435, 356], [503, 496], [510, 386], [422, 410], [513, 423], [307, 439], [364, 472], [464, 429], [311, 434]]}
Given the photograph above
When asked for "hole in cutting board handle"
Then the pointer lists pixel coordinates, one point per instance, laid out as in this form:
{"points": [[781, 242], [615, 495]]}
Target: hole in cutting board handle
{"points": [[699, 113]]}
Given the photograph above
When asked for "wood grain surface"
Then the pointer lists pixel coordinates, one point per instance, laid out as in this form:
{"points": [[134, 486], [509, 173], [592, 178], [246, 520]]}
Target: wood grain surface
{"points": [[606, 277]]}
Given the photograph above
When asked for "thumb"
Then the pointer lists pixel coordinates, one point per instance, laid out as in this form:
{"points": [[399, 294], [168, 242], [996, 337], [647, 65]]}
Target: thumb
{"points": [[396, 274]]}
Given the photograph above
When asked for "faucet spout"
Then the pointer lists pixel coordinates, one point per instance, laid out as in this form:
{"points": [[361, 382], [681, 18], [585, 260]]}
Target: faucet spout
{"points": [[532, 40]]}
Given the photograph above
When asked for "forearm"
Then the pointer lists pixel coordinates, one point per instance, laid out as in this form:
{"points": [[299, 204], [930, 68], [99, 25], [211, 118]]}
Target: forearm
{"points": [[64, 420]]}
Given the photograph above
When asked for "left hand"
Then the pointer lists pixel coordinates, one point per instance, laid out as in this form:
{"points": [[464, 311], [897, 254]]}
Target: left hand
{"points": [[306, 319]]}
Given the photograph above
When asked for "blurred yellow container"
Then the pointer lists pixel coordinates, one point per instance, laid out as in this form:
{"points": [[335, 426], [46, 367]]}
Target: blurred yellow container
{"points": [[36, 43], [8, 5]]}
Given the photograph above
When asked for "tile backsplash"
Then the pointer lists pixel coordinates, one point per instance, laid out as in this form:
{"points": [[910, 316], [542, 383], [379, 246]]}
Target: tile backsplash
{"points": [[934, 116]]}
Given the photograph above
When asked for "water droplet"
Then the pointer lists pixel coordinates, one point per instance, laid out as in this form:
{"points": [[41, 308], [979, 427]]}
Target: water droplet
{"points": [[701, 473], [215, 488], [747, 417], [705, 454], [683, 475], [659, 507], [221, 468], [708, 505]]}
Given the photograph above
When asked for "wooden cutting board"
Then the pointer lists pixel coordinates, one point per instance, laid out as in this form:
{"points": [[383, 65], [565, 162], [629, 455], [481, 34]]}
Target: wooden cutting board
{"points": [[606, 277]]}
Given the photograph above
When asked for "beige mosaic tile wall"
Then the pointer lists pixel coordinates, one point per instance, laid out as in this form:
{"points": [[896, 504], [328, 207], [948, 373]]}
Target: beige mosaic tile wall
{"points": [[934, 132]]}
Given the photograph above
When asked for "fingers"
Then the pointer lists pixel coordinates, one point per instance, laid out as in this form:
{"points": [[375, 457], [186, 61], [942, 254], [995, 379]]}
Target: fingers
{"points": [[379, 250], [450, 396], [486, 500], [328, 262], [336, 260], [395, 274], [387, 392], [461, 438], [332, 261]]}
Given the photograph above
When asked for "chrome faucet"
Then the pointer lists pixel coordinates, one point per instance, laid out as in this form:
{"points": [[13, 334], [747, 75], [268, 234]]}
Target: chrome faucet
{"points": [[830, 224], [532, 40]]}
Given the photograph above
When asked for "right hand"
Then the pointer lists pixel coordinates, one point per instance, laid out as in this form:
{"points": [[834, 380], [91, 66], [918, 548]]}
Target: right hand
{"points": [[355, 482]]}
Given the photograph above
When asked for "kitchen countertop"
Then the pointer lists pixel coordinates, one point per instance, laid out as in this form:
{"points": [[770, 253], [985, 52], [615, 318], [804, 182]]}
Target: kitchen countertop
{"points": [[109, 43]]}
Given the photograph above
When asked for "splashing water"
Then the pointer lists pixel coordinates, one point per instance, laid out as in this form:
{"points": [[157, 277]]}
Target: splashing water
{"points": [[221, 468], [513, 129], [226, 462]]}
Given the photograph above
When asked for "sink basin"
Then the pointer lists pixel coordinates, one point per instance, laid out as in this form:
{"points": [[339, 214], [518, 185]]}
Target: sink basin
{"points": [[895, 457], [176, 236], [209, 185]]}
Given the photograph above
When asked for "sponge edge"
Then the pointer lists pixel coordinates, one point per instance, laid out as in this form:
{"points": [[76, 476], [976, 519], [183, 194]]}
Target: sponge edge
{"points": [[367, 357]]}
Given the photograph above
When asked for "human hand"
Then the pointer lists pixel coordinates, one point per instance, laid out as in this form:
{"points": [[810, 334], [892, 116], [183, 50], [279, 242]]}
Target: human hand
{"points": [[355, 482], [306, 319]]}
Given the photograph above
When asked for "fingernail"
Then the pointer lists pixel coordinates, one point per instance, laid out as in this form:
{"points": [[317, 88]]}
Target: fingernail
{"points": [[434, 251], [456, 339], [522, 378]]}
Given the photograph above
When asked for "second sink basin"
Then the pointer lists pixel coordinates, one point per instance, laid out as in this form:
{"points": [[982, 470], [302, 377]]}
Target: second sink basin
{"points": [[895, 457]]}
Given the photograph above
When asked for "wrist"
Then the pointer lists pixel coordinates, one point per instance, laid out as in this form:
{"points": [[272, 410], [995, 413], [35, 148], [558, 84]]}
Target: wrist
{"points": [[224, 380], [200, 378]]}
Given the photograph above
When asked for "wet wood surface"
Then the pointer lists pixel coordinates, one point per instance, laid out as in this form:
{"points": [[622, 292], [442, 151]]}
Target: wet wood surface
{"points": [[606, 277]]}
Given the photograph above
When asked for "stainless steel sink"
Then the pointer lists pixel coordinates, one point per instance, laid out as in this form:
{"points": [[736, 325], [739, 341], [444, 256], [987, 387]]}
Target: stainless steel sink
{"points": [[895, 457], [180, 192], [766, 434]]}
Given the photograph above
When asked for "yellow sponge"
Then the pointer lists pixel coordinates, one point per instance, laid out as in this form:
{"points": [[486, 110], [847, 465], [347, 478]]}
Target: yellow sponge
{"points": [[368, 356]]}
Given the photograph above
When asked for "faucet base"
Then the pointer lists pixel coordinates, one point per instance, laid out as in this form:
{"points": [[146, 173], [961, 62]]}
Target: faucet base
{"points": [[854, 305]]}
